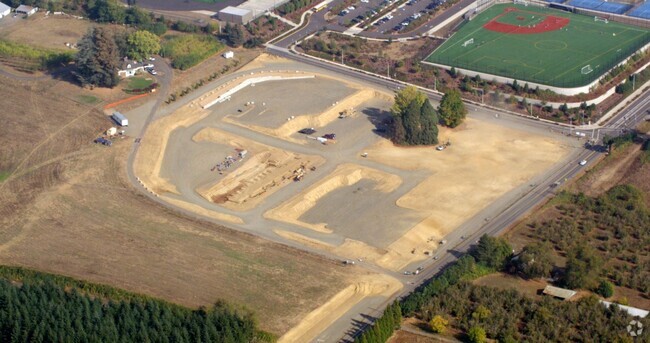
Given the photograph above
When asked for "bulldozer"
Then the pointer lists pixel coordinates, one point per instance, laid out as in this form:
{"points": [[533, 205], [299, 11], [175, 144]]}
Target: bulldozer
{"points": [[346, 113]]}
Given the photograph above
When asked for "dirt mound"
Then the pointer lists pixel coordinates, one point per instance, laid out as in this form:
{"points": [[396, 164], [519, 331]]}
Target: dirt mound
{"points": [[319, 319], [316, 120], [261, 173]]}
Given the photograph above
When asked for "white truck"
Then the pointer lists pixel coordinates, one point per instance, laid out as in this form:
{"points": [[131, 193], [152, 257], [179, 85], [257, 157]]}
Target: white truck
{"points": [[120, 119]]}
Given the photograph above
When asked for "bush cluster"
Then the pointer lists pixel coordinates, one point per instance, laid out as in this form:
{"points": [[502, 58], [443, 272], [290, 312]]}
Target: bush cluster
{"points": [[40, 58], [187, 51]]}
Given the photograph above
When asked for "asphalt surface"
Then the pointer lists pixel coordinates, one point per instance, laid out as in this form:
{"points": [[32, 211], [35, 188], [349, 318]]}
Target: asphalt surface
{"points": [[317, 22]]}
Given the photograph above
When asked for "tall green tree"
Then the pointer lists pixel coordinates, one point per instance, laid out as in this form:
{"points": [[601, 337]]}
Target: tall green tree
{"points": [[452, 109], [493, 252], [404, 98], [107, 11], [97, 59], [535, 260], [583, 267], [414, 120], [142, 44]]}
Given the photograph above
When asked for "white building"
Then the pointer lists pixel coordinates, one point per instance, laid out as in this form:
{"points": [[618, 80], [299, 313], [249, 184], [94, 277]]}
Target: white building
{"points": [[4, 10], [130, 69], [27, 10], [228, 54]]}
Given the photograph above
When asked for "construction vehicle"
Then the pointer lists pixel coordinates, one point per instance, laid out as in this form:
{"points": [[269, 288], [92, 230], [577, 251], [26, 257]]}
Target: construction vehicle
{"points": [[299, 173], [346, 113]]}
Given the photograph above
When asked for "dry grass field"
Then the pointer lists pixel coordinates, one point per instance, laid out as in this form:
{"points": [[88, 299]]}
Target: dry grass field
{"points": [[47, 31], [67, 208]]}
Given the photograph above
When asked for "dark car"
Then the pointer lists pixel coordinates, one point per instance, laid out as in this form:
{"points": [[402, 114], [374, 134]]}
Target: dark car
{"points": [[307, 131], [329, 136], [103, 141]]}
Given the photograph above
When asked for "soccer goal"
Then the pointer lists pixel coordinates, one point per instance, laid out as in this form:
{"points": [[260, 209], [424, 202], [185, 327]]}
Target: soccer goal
{"points": [[601, 19], [468, 42], [520, 2], [586, 69]]}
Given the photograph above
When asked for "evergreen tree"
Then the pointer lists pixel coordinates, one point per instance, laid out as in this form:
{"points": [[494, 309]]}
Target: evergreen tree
{"points": [[97, 60]]}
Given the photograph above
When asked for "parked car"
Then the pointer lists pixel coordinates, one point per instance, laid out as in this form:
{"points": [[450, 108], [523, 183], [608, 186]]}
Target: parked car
{"points": [[307, 131], [330, 136], [103, 141], [583, 162]]}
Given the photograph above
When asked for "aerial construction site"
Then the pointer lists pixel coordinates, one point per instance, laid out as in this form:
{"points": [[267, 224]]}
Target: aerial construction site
{"points": [[294, 154]]}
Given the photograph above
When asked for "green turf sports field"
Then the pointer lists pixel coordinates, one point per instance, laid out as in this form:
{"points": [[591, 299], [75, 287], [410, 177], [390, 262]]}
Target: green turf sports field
{"points": [[556, 57]]}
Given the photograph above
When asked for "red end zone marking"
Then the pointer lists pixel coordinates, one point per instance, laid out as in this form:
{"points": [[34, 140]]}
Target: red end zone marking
{"points": [[550, 23]]}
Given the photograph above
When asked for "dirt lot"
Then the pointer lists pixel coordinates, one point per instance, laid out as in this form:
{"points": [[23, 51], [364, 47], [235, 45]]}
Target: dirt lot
{"points": [[68, 209], [47, 31], [263, 170], [483, 162]]}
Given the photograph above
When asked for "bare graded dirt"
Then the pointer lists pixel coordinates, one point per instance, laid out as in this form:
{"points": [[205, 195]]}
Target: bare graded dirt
{"points": [[260, 173], [345, 175], [319, 319], [483, 162], [67, 208]]}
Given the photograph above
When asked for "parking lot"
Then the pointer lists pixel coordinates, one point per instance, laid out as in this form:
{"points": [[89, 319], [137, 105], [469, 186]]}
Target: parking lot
{"points": [[399, 19], [357, 12]]}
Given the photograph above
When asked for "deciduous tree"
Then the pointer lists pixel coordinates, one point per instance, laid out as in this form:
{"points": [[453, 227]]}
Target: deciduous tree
{"points": [[142, 44], [438, 324], [535, 260], [476, 334], [452, 110], [492, 252]]}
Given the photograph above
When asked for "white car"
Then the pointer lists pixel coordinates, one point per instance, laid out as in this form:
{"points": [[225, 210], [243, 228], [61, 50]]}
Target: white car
{"points": [[440, 148], [153, 72], [583, 162], [351, 8], [152, 59]]}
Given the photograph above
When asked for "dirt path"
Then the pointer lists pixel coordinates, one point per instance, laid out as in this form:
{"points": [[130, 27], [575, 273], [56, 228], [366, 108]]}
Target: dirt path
{"points": [[319, 319]]}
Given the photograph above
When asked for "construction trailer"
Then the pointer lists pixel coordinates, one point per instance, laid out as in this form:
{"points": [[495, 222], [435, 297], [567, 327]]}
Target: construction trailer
{"points": [[120, 119]]}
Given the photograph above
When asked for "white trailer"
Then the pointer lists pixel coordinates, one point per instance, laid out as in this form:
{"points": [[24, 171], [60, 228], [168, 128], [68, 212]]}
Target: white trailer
{"points": [[120, 119]]}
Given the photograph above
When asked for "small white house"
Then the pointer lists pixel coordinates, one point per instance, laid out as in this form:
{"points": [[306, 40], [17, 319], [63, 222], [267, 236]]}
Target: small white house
{"points": [[27, 10], [4, 10], [129, 69], [111, 131], [228, 54]]}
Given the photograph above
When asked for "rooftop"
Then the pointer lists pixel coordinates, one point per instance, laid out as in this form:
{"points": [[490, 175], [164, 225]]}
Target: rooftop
{"points": [[4, 7], [633, 311], [24, 8], [558, 292], [234, 11]]}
